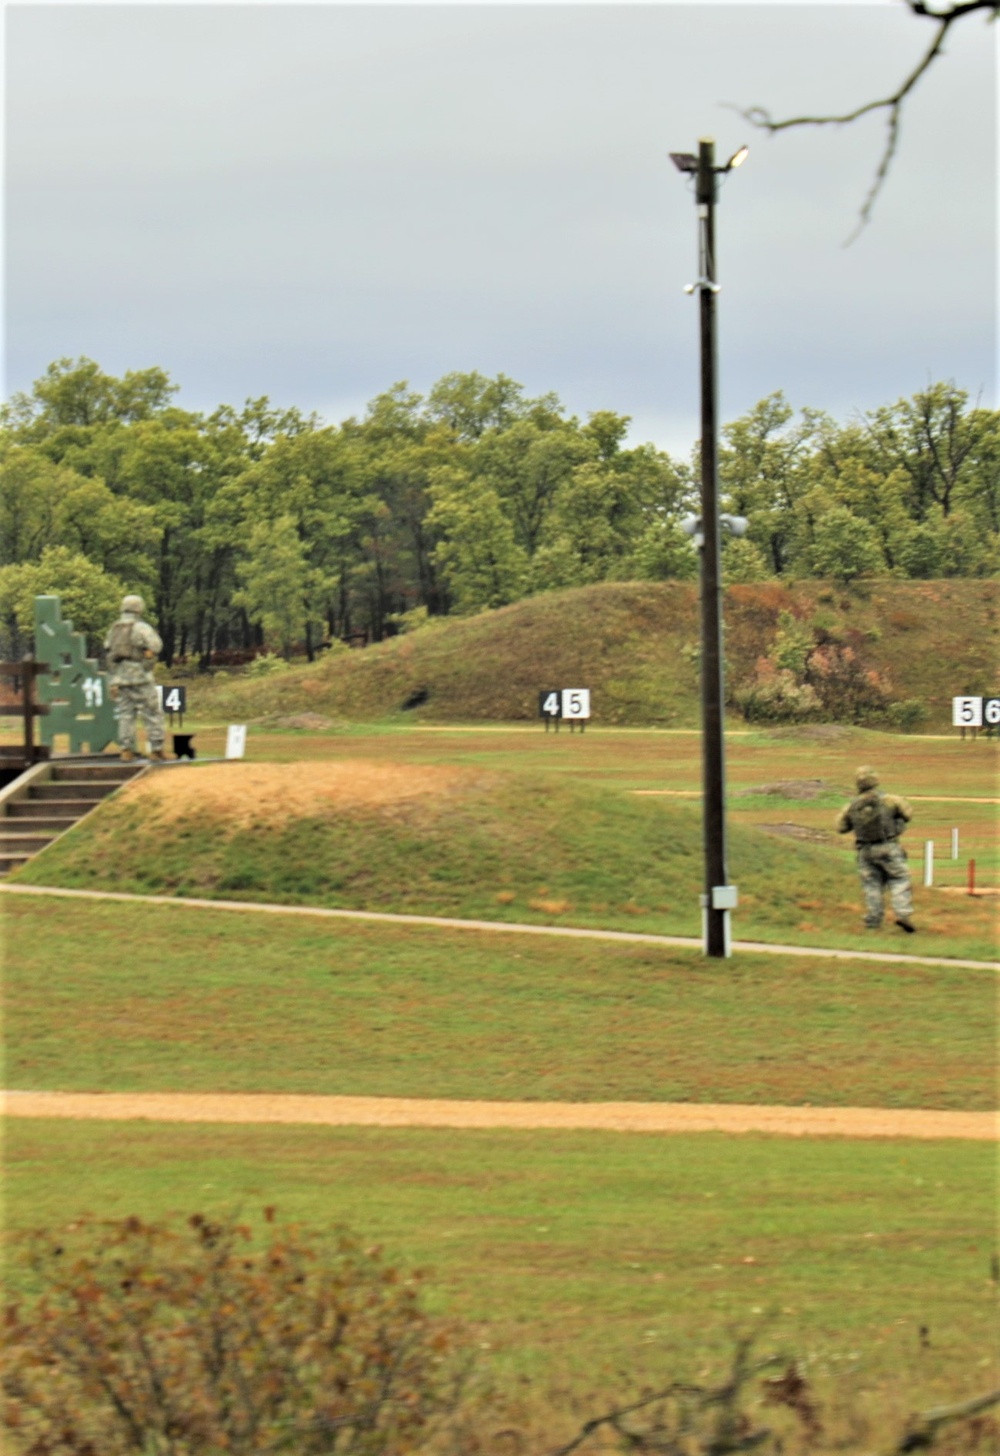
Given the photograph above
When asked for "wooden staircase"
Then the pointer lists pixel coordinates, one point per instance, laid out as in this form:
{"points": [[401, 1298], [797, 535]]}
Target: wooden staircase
{"points": [[50, 798]]}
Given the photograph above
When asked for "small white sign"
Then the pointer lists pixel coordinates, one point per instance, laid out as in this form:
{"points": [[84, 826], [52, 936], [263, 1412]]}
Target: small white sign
{"points": [[93, 691], [236, 740], [576, 703], [966, 712], [991, 711]]}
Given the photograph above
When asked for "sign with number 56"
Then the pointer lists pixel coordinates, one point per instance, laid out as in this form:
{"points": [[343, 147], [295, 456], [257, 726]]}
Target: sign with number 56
{"points": [[575, 703]]}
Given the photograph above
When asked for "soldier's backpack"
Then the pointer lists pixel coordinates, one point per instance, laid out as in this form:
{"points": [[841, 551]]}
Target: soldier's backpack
{"points": [[120, 645], [871, 820]]}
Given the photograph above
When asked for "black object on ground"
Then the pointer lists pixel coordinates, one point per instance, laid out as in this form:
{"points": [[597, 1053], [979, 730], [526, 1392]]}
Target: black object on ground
{"points": [[415, 699]]}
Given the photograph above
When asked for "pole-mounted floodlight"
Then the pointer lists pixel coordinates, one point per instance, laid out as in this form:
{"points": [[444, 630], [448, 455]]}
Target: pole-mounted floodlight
{"points": [[719, 897]]}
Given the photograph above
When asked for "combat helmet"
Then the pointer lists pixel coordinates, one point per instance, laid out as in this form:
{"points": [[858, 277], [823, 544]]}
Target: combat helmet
{"points": [[133, 603], [866, 778]]}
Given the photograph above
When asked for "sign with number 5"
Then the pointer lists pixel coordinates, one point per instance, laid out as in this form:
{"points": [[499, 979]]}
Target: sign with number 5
{"points": [[967, 712], [576, 703]]}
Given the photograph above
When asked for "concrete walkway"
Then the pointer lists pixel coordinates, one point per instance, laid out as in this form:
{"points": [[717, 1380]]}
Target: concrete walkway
{"points": [[441, 922]]}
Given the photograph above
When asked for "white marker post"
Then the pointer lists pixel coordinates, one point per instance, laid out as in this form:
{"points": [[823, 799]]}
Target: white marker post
{"points": [[236, 740], [954, 844], [928, 863]]}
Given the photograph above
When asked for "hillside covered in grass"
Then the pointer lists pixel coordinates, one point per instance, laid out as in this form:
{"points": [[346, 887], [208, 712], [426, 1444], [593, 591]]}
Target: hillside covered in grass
{"points": [[635, 645]]}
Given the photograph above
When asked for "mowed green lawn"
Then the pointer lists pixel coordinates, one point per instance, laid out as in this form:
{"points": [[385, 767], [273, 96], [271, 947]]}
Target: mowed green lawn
{"points": [[131, 997], [599, 1260]]}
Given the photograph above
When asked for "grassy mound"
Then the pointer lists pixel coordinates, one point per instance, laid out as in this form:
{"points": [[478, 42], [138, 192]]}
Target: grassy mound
{"points": [[635, 645], [457, 841]]}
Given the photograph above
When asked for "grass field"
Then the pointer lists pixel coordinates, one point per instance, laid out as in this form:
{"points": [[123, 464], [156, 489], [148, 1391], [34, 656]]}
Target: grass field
{"points": [[591, 830], [596, 1258], [583, 1261], [164, 999]]}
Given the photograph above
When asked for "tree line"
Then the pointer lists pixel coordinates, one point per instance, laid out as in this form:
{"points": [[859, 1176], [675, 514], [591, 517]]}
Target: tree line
{"points": [[261, 526]]}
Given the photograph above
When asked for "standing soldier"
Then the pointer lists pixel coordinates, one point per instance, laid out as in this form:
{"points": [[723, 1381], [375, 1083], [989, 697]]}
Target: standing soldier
{"points": [[132, 646], [878, 820]]}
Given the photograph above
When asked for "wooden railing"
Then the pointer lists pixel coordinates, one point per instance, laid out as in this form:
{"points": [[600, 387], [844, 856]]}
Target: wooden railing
{"points": [[28, 709]]}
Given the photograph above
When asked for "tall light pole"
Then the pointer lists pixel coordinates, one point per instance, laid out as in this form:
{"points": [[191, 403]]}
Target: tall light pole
{"points": [[719, 896]]}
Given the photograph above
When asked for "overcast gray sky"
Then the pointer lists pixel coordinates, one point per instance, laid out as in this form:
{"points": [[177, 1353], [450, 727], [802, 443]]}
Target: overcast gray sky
{"points": [[314, 201]]}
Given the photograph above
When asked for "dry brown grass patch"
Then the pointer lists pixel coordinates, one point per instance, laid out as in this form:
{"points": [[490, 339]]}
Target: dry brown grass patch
{"points": [[241, 793]]}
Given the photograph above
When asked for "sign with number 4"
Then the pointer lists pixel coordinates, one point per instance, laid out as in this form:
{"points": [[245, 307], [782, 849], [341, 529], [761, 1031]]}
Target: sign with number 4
{"points": [[550, 703], [172, 699]]}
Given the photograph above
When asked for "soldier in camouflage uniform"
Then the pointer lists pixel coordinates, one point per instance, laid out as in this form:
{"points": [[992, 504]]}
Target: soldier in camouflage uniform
{"points": [[878, 820], [132, 646]]}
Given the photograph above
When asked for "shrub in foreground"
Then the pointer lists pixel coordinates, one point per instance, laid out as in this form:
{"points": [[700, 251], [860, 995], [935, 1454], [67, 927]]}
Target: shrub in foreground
{"points": [[206, 1340]]}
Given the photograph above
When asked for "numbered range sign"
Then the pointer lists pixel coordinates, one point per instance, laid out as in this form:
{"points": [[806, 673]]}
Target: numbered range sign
{"points": [[576, 704], [550, 704], [991, 712], [570, 705], [172, 699], [967, 712], [93, 691]]}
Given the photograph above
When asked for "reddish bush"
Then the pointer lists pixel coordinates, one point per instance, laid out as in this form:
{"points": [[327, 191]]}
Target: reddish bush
{"points": [[847, 688], [149, 1339]]}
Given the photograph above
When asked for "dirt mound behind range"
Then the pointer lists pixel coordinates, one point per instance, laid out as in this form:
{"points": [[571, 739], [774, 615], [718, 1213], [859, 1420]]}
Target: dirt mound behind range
{"points": [[244, 793]]}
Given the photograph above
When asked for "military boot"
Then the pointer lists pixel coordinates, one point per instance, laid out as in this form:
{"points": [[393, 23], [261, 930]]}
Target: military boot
{"points": [[126, 755], [158, 756]]}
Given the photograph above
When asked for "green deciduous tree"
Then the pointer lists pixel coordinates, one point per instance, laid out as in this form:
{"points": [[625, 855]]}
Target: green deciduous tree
{"points": [[77, 392], [844, 546], [743, 561], [91, 597], [525, 465], [278, 588], [664, 553], [470, 405], [483, 564], [933, 439], [764, 472]]}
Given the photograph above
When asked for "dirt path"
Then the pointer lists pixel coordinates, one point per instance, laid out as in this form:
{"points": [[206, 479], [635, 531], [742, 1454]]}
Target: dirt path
{"points": [[916, 798], [442, 922], [661, 1117]]}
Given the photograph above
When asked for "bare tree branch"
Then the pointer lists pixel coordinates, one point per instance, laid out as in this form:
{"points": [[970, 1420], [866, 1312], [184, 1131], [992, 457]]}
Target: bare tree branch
{"points": [[922, 1430], [760, 117]]}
